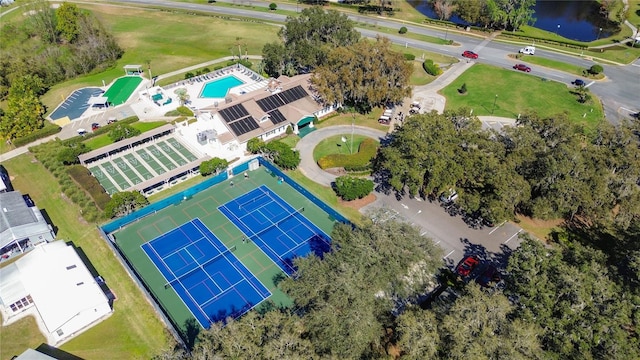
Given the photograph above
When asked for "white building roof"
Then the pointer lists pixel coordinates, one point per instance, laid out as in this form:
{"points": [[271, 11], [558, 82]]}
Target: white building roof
{"points": [[18, 220], [58, 281]]}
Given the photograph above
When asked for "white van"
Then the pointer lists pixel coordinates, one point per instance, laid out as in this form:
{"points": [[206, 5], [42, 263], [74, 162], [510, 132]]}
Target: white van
{"points": [[528, 50], [448, 197]]}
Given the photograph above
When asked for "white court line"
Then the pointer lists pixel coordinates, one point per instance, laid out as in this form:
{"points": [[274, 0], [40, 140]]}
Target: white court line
{"points": [[497, 227], [512, 236], [446, 256]]}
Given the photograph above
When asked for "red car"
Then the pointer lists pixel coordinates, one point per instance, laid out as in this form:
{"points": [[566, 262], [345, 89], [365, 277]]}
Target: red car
{"points": [[467, 265], [470, 54], [522, 67]]}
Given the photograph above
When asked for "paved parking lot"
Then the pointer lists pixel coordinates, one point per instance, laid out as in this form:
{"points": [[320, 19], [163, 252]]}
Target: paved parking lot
{"points": [[451, 232]]}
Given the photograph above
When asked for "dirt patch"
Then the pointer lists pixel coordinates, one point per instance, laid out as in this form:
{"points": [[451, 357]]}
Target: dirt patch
{"points": [[337, 171], [358, 203], [539, 228]]}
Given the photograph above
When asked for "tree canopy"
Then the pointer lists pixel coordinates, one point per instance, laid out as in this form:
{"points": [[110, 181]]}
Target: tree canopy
{"points": [[306, 39], [365, 74], [546, 168], [25, 111]]}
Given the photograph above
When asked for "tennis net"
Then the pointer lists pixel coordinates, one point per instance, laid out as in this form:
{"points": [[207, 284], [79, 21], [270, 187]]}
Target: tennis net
{"points": [[200, 266], [278, 223]]}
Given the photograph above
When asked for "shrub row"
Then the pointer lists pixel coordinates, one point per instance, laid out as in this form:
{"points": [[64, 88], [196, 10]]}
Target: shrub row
{"points": [[83, 178], [48, 130], [105, 129], [409, 57], [530, 39], [431, 68], [47, 155], [366, 151]]}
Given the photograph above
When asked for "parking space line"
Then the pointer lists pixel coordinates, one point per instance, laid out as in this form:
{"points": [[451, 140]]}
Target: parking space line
{"points": [[497, 227], [446, 256], [512, 236]]}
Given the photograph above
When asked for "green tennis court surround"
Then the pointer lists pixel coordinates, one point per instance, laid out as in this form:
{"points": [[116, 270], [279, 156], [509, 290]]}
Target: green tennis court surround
{"points": [[203, 203]]}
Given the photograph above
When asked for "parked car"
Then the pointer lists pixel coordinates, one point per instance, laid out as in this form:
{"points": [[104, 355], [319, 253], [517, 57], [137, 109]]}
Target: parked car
{"points": [[467, 265], [470, 54], [488, 276], [522, 67], [449, 196], [95, 126], [111, 120], [578, 82]]}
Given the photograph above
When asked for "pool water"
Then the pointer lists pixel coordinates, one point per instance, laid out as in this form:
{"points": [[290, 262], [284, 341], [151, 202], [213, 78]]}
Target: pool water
{"points": [[219, 88]]}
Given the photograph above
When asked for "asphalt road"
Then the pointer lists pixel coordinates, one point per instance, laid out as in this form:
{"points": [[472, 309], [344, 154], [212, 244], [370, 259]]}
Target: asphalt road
{"points": [[619, 92]]}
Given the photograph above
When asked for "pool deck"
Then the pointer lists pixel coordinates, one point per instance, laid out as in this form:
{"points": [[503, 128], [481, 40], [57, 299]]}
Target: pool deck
{"points": [[146, 108]]}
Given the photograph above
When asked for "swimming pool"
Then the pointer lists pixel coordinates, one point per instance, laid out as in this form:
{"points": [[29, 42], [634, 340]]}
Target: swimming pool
{"points": [[219, 88]]}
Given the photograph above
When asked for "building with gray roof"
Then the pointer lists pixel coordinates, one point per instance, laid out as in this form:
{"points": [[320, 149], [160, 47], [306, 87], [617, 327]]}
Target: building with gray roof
{"points": [[21, 224]]}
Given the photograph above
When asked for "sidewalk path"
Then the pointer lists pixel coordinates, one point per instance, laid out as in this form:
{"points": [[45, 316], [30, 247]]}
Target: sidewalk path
{"points": [[309, 167]]}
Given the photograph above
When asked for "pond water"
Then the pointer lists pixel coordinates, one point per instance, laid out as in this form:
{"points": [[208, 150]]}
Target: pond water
{"points": [[573, 19]]}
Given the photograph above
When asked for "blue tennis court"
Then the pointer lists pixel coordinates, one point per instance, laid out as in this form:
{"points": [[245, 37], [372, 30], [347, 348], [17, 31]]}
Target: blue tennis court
{"points": [[207, 276], [75, 104], [280, 231]]}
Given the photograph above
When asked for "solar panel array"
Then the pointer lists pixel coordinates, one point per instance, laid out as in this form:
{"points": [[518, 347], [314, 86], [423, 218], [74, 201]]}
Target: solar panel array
{"points": [[277, 117], [234, 113], [243, 126], [282, 98]]}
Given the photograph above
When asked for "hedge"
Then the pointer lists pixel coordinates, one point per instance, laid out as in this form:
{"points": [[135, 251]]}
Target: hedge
{"points": [[366, 151], [47, 130], [351, 188], [409, 57], [83, 178], [431, 68]]}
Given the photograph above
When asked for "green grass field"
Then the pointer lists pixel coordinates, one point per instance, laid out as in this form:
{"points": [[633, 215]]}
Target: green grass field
{"points": [[144, 34], [133, 331], [204, 206], [121, 89], [517, 93], [558, 65], [334, 145]]}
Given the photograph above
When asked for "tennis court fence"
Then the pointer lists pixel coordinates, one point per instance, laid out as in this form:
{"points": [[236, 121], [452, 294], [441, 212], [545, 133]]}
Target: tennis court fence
{"points": [[336, 215]]}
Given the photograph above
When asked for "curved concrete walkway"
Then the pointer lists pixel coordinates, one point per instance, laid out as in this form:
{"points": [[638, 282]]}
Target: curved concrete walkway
{"points": [[306, 145]]}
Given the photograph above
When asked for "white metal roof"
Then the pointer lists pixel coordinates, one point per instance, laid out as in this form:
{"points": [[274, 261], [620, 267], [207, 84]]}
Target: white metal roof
{"points": [[59, 283]]}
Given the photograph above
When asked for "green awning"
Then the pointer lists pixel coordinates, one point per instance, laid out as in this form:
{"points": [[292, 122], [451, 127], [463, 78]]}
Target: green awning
{"points": [[306, 120]]}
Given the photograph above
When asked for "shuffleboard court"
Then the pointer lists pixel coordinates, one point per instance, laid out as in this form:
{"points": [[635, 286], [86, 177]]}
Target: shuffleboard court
{"points": [[207, 276], [181, 149], [108, 186], [139, 166], [108, 168], [153, 164], [121, 89], [171, 153], [168, 163], [127, 171]]}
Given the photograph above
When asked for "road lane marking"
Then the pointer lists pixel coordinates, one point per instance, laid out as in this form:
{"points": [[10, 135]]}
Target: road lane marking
{"points": [[589, 84], [404, 206], [512, 236], [497, 227], [446, 256]]}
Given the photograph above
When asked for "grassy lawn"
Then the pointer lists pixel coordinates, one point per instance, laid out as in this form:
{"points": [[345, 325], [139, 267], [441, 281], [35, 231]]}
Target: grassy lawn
{"points": [[143, 35], [618, 53], [420, 77], [408, 35], [634, 12], [24, 330], [133, 331], [517, 93], [334, 145], [104, 139], [558, 65], [327, 195]]}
